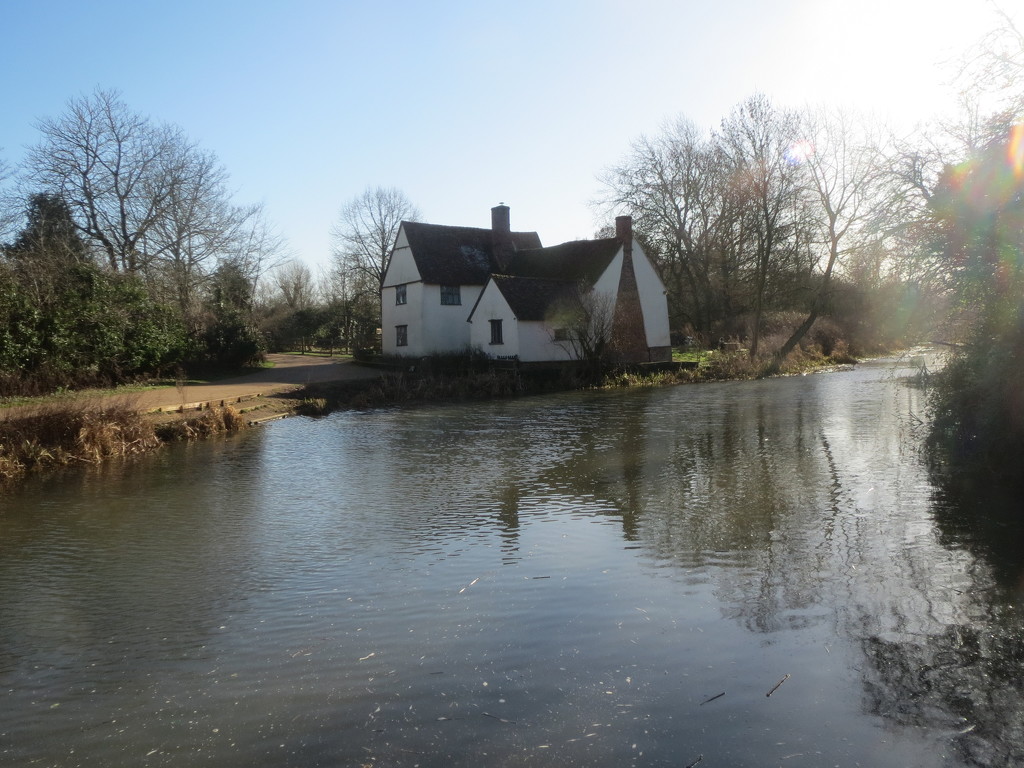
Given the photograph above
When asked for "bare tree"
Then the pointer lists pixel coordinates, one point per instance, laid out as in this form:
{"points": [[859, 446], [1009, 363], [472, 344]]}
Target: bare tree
{"points": [[671, 184], [756, 139], [583, 323], [843, 196], [994, 67], [114, 169], [146, 197], [199, 226], [295, 285], [366, 231], [256, 248], [9, 208]]}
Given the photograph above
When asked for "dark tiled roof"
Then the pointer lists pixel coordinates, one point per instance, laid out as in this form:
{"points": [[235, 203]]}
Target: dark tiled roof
{"points": [[530, 298], [576, 260], [447, 255]]}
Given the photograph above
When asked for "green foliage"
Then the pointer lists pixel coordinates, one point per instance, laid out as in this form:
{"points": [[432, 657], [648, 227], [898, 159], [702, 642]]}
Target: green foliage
{"points": [[66, 322], [230, 341], [94, 327]]}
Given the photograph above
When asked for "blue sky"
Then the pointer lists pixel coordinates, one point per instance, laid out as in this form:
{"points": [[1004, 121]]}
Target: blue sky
{"points": [[461, 104]]}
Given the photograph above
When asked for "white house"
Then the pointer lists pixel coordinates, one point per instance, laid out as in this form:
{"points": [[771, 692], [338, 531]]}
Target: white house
{"points": [[448, 289], [434, 277]]}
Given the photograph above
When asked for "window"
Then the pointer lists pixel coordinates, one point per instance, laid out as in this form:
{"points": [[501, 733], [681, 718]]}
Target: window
{"points": [[400, 294], [401, 335], [562, 334], [450, 295], [496, 332]]}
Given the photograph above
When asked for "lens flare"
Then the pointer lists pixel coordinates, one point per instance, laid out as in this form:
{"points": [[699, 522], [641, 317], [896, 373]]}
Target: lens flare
{"points": [[1015, 150], [799, 152]]}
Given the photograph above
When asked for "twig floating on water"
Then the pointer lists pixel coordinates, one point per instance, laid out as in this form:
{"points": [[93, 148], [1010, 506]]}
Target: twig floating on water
{"points": [[699, 758], [717, 696], [474, 581], [773, 690], [499, 719]]}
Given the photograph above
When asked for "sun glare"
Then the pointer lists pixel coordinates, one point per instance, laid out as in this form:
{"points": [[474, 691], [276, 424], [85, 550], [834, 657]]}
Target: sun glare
{"points": [[1015, 150], [894, 58], [799, 152]]}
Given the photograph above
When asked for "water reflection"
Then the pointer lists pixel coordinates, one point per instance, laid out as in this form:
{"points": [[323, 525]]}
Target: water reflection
{"points": [[565, 580]]}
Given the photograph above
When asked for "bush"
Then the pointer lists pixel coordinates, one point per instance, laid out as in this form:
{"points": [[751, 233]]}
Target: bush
{"points": [[98, 328], [229, 342]]}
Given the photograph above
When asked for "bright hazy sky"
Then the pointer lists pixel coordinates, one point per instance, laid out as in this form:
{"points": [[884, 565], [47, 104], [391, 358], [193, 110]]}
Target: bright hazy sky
{"points": [[462, 104]]}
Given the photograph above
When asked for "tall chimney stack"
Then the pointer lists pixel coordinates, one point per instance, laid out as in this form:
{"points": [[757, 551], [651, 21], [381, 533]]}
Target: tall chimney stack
{"points": [[624, 232], [502, 246]]}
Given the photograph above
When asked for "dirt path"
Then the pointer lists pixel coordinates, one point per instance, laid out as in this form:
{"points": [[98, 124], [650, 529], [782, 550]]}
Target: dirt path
{"points": [[290, 372]]}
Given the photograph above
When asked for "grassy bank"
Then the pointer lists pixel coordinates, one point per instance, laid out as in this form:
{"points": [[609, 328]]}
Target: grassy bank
{"points": [[69, 431], [57, 434]]}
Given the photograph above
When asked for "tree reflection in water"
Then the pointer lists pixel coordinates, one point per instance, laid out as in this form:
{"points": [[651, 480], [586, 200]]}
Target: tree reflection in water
{"points": [[967, 678]]}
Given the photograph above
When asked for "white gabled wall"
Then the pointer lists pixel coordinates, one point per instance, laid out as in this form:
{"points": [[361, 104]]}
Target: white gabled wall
{"points": [[653, 299], [402, 267], [492, 306], [401, 271], [607, 284], [430, 327]]}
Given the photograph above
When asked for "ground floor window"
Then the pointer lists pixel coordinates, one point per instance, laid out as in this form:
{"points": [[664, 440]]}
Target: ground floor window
{"points": [[562, 334], [496, 332], [401, 335]]}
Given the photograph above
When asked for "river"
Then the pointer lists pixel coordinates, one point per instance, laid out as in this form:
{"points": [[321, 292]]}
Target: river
{"points": [[736, 574]]}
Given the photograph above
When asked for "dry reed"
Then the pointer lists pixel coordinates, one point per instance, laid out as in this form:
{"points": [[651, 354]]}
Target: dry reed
{"points": [[61, 433]]}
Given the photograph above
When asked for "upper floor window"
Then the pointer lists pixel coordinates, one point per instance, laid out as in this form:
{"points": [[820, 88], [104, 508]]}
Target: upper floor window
{"points": [[562, 334], [450, 295], [401, 335], [496, 332], [400, 294]]}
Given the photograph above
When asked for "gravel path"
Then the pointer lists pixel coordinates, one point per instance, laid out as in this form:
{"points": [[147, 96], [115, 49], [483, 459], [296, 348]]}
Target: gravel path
{"points": [[289, 372]]}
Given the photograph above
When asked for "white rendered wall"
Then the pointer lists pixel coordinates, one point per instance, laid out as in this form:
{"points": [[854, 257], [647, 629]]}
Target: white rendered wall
{"points": [[402, 267], [653, 299], [492, 306], [537, 343], [445, 327], [409, 314]]}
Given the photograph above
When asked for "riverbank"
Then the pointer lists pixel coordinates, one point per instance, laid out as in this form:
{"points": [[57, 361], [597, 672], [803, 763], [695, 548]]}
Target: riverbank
{"points": [[66, 432]]}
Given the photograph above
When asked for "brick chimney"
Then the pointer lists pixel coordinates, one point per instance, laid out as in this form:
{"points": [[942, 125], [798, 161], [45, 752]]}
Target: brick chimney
{"points": [[629, 339], [624, 232], [502, 247]]}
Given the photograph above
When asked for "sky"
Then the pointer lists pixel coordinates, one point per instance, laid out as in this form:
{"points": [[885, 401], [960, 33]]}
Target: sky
{"points": [[463, 104]]}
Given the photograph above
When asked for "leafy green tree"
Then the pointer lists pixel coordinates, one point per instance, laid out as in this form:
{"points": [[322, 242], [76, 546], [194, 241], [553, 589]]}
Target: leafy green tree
{"points": [[228, 335], [46, 248]]}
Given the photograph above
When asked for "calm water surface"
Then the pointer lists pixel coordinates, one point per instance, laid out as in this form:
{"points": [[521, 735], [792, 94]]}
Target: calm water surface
{"points": [[599, 579]]}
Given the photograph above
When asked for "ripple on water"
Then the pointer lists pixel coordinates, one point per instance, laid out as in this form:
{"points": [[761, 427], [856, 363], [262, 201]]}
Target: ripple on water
{"points": [[569, 580]]}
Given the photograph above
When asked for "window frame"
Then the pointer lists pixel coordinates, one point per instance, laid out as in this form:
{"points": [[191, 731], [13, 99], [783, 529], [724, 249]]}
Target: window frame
{"points": [[401, 295], [451, 295], [401, 335], [497, 335]]}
